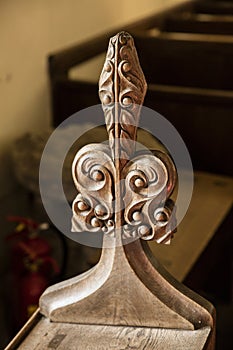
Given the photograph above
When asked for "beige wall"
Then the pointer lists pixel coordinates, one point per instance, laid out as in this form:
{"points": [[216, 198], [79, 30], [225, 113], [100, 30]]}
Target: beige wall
{"points": [[29, 30]]}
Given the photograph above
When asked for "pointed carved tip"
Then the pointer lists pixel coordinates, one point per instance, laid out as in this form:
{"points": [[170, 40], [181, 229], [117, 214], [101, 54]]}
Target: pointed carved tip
{"points": [[122, 88], [122, 71]]}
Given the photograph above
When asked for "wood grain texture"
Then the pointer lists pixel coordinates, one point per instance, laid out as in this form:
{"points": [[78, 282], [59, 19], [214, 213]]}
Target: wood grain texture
{"points": [[48, 335]]}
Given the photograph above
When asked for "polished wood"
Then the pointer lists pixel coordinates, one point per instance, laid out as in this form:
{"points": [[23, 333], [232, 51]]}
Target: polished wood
{"points": [[218, 7], [200, 23], [203, 112], [186, 59]]}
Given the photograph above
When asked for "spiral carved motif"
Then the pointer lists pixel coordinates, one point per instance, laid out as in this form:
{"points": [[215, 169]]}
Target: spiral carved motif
{"points": [[93, 174], [149, 182]]}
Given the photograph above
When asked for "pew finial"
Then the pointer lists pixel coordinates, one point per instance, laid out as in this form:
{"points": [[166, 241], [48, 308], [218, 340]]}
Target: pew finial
{"points": [[119, 189], [124, 194]]}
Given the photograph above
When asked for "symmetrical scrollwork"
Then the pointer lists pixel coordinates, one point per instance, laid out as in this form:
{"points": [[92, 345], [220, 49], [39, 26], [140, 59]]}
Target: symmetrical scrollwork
{"points": [[122, 88], [112, 179]]}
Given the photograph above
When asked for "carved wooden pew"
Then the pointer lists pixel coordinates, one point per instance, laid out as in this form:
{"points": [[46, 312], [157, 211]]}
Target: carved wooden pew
{"points": [[127, 300], [191, 60], [203, 118], [199, 23], [217, 7]]}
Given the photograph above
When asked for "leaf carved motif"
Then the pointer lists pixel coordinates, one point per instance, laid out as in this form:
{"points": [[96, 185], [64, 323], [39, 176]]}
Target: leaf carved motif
{"points": [[122, 88]]}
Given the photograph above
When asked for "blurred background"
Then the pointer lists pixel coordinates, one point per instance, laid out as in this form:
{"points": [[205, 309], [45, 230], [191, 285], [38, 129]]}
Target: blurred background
{"points": [[52, 53]]}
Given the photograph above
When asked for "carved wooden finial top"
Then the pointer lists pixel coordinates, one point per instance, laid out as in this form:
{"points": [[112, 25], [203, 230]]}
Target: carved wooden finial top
{"points": [[118, 189], [124, 194]]}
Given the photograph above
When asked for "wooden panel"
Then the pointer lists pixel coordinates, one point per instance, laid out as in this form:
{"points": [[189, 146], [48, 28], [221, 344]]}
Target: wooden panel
{"points": [[182, 59], [70, 96], [209, 24], [204, 120], [214, 7]]}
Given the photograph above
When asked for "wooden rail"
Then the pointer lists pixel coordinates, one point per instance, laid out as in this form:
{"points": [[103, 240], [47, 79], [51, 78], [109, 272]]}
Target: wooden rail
{"points": [[200, 23]]}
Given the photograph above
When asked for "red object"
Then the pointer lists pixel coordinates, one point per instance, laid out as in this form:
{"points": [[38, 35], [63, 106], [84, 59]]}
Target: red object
{"points": [[32, 267], [32, 285]]}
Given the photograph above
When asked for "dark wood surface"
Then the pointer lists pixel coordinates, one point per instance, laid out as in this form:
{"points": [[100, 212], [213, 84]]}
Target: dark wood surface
{"points": [[204, 120], [194, 60], [200, 23], [217, 7]]}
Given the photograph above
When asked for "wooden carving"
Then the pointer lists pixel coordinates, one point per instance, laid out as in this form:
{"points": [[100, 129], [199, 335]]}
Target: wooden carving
{"points": [[124, 194], [142, 182]]}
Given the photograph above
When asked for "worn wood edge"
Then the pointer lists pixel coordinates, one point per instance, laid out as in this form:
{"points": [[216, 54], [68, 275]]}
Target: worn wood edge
{"points": [[105, 337], [77, 288], [24, 331]]}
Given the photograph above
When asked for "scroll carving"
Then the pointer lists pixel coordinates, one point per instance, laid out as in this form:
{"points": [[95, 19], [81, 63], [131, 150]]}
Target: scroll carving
{"points": [[112, 179], [93, 174], [149, 182]]}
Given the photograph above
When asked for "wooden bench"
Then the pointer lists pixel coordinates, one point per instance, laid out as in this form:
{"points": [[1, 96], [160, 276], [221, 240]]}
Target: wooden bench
{"points": [[199, 23], [191, 60], [217, 7], [203, 118]]}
